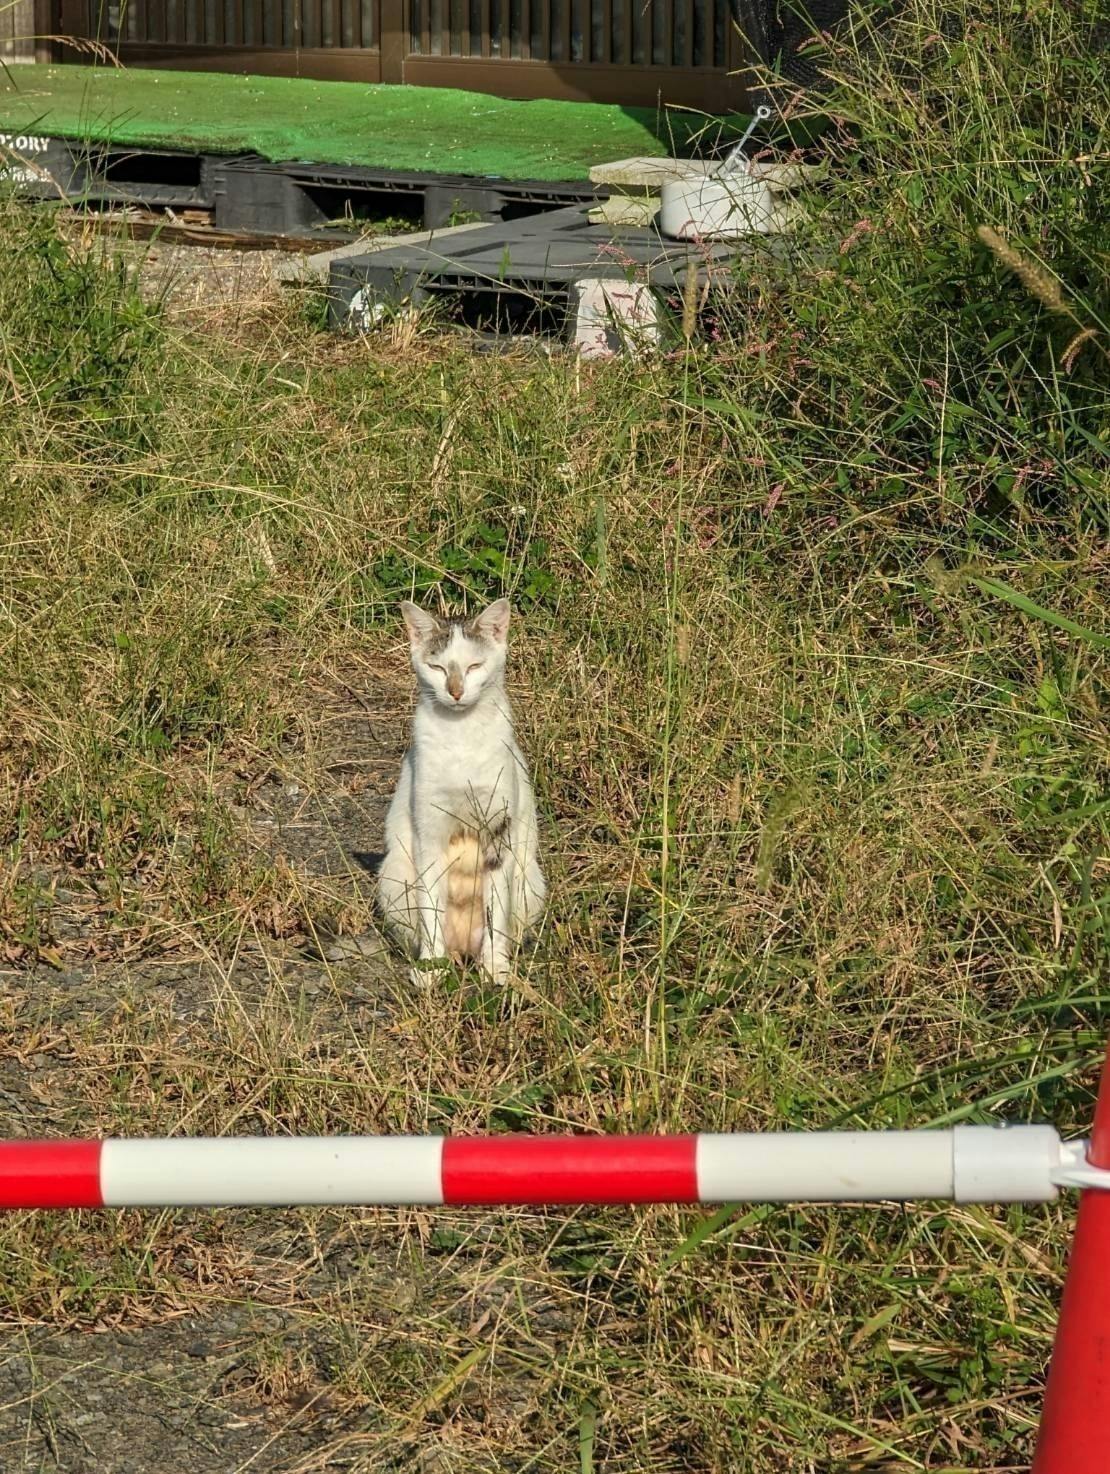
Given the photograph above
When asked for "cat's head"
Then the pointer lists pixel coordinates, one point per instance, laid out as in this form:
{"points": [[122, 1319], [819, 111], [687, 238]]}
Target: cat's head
{"points": [[456, 659]]}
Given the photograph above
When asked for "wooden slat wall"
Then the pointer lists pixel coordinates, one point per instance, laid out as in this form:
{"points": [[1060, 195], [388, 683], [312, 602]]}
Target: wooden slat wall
{"points": [[261, 24], [689, 36], [541, 29], [683, 33], [563, 24], [17, 31]]}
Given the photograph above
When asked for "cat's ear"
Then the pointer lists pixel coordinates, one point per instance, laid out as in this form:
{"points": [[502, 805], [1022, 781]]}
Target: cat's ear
{"points": [[420, 624], [494, 621]]}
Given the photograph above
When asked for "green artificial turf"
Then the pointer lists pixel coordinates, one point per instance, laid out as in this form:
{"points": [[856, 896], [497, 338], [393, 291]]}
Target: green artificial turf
{"points": [[427, 129]]}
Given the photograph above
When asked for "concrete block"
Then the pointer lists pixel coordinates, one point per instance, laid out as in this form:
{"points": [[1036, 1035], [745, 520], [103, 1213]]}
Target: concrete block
{"points": [[786, 214], [623, 209], [646, 176], [615, 316], [781, 178]]}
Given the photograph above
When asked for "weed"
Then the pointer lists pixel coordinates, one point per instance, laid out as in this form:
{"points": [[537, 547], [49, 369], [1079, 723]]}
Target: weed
{"points": [[77, 338]]}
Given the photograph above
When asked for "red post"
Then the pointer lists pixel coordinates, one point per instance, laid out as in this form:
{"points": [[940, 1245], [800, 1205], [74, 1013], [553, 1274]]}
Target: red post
{"points": [[1075, 1426]]}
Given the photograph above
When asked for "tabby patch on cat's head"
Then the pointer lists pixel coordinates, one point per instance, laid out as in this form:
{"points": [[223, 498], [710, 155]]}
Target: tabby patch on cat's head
{"points": [[456, 659]]}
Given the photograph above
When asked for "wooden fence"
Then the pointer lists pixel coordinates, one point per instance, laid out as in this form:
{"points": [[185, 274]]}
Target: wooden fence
{"points": [[17, 30], [636, 52]]}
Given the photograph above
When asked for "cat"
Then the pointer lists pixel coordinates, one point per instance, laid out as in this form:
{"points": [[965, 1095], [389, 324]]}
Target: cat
{"points": [[461, 875]]}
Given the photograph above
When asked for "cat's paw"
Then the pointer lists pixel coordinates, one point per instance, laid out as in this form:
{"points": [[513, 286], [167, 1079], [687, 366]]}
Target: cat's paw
{"points": [[497, 970], [426, 975]]}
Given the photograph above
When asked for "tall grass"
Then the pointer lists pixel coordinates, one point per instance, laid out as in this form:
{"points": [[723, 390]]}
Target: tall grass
{"points": [[812, 674]]}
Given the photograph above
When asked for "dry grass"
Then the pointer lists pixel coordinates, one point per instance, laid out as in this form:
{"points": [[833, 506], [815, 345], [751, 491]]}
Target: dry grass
{"points": [[811, 673]]}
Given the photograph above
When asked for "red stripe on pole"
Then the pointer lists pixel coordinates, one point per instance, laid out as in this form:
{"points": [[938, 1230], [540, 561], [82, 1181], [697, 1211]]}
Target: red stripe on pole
{"points": [[570, 1169], [50, 1174], [1075, 1424]]}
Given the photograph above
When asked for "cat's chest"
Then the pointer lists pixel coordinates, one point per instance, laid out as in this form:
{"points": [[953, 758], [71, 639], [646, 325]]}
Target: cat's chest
{"points": [[467, 779]]}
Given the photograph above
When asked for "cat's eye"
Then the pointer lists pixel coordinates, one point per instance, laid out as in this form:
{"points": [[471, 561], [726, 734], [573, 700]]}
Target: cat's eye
{"points": [[474, 667], [439, 668]]}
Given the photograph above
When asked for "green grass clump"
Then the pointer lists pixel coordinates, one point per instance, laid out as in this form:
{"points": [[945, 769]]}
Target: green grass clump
{"points": [[78, 340], [812, 674]]}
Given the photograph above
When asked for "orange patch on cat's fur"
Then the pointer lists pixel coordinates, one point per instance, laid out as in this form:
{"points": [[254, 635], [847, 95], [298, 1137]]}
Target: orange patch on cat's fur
{"points": [[464, 923]]}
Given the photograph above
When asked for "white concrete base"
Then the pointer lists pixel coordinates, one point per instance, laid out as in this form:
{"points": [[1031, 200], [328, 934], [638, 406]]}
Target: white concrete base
{"points": [[615, 317], [647, 176], [786, 213], [782, 178], [726, 207], [624, 209], [632, 176]]}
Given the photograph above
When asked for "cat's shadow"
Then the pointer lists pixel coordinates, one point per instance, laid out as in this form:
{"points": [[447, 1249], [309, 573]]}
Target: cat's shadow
{"points": [[368, 860]]}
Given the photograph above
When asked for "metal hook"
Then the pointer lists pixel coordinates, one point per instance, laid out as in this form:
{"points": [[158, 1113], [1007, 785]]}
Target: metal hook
{"points": [[761, 114]]}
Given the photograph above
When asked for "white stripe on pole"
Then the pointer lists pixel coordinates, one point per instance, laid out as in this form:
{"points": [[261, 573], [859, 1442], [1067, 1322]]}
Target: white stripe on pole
{"points": [[1007, 1164], [970, 1163], [275, 1172]]}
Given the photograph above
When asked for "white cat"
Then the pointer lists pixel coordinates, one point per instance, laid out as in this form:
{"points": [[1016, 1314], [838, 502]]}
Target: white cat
{"points": [[461, 875]]}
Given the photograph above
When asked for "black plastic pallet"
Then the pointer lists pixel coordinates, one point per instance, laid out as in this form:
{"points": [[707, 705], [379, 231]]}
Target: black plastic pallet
{"points": [[248, 193], [58, 168], [443, 197], [536, 261]]}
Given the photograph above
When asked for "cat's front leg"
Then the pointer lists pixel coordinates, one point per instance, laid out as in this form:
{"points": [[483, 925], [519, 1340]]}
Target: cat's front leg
{"points": [[431, 950], [497, 941]]}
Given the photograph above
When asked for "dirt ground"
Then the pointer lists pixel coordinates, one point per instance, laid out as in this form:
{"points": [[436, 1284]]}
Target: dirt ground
{"points": [[185, 276], [171, 1389]]}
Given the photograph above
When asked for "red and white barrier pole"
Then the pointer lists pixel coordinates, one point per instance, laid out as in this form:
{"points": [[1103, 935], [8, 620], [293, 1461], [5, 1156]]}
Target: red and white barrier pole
{"points": [[966, 1164], [969, 1164], [1075, 1424]]}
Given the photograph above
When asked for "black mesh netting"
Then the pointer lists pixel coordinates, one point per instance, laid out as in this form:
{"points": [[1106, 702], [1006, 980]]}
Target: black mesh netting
{"points": [[781, 32]]}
